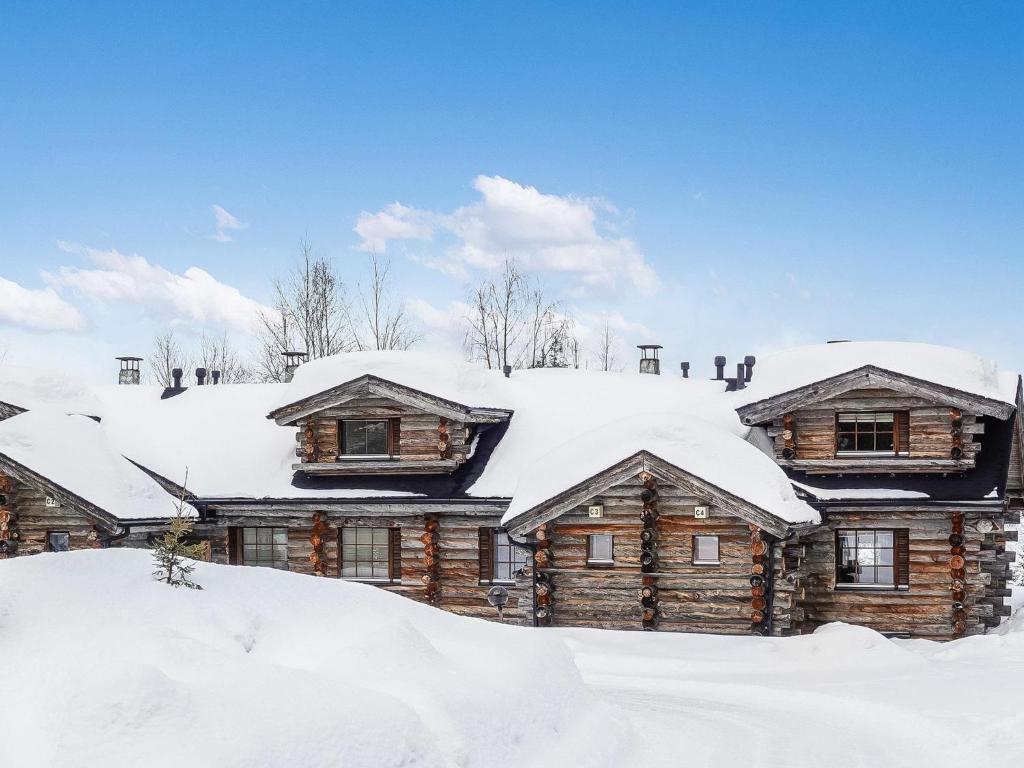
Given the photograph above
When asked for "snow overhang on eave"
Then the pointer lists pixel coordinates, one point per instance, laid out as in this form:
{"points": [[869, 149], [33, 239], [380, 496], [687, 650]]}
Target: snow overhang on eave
{"points": [[869, 376], [376, 386]]}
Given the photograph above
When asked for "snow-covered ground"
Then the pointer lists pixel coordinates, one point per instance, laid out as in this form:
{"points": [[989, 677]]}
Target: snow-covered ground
{"points": [[104, 667]]}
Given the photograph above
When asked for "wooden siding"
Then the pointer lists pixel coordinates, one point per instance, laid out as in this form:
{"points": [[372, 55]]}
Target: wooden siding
{"points": [[457, 571], [805, 581], [930, 436], [690, 598], [32, 520], [418, 436]]}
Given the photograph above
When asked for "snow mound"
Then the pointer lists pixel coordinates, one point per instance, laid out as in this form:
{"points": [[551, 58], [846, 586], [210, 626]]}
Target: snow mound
{"points": [[30, 388], [267, 668]]}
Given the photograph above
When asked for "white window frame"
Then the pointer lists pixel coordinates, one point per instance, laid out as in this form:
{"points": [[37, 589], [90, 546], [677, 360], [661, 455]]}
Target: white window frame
{"points": [[591, 560], [718, 549]]}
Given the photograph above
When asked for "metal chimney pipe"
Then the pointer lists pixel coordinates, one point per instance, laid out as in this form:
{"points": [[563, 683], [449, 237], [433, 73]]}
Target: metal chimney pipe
{"points": [[176, 375], [740, 381], [216, 376], [507, 370], [686, 370], [719, 367], [200, 376], [748, 363]]}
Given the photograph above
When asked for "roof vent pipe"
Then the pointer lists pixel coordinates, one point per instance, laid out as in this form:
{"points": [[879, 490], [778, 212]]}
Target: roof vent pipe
{"points": [[216, 376], [686, 370], [748, 363], [740, 376], [507, 370], [200, 376], [176, 375], [719, 367]]}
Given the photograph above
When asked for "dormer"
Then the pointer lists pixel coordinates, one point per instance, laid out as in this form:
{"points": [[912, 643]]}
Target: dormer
{"points": [[874, 420], [374, 426]]}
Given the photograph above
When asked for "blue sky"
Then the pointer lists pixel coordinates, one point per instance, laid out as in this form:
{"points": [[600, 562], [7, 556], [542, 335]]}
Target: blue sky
{"points": [[736, 178]]}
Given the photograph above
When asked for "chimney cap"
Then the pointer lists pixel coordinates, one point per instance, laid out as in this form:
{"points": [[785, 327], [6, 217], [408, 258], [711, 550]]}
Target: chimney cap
{"points": [[128, 357]]}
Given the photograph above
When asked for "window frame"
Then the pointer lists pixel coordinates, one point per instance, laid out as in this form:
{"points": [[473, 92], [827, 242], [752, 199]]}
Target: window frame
{"points": [[49, 544], [393, 534], [389, 443], [899, 420], [594, 562], [490, 537], [718, 549], [272, 545], [900, 561]]}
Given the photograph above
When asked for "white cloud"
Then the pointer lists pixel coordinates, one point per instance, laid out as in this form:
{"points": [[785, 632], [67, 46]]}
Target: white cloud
{"points": [[225, 223], [544, 231], [37, 309], [395, 222], [195, 295]]}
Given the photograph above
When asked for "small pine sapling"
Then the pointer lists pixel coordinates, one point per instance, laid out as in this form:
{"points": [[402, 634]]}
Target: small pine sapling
{"points": [[172, 555]]}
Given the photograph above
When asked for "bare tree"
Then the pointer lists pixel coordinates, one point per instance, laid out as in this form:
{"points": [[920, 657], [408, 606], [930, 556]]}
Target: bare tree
{"points": [[167, 355], [386, 325], [216, 353], [607, 349], [510, 320], [311, 312]]}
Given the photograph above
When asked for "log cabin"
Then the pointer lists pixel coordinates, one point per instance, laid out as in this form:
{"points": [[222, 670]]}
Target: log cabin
{"points": [[870, 483]]}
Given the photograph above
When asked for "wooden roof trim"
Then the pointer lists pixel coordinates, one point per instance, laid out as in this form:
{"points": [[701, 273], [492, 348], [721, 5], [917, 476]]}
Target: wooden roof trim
{"points": [[20, 472], [370, 384], [1018, 426], [869, 376], [630, 467]]}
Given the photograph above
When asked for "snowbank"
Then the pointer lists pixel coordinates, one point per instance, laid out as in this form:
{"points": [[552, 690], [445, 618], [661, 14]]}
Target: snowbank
{"points": [[105, 667], [712, 454], [797, 367], [29, 388], [73, 452]]}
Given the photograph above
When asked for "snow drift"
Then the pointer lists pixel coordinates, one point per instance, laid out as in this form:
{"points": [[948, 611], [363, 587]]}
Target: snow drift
{"points": [[105, 667]]}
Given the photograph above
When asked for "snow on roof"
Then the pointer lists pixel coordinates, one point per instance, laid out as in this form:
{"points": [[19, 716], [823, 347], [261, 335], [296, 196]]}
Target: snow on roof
{"points": [[794, 368], [437, 374], [29, 388], [714, 455], [73, 452], [855, 494]]}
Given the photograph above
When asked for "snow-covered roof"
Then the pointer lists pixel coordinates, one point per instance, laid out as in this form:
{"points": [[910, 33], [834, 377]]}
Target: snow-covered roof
{"points": [[438, 375], [29, 388], [715, 455], [221, 436], [794, 368], [74, 453]]}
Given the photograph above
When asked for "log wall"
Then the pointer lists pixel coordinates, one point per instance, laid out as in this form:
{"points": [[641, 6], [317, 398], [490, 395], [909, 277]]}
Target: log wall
{"points": [[30, 519], [420, 435], [690, 598], [814, 428], [805, 575]]}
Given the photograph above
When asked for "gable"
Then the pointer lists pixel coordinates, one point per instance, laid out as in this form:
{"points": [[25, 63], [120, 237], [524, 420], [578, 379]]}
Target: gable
{"points": [[629, 469], [370, 386], [870, 377]]}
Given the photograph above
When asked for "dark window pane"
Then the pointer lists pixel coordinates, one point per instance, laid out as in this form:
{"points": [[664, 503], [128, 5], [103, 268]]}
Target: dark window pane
{"points": [[364, 438], [846, 441], [59, 541], [376, 437], [865, 442], [884, 441]]}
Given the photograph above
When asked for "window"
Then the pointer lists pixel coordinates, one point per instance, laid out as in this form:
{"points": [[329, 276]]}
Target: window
{"points": [[601, 549], [885, 433], [361, 437], [500, 558], [58, 541], [267, 547], [705, 550], [874, 558], [371, 553]]}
